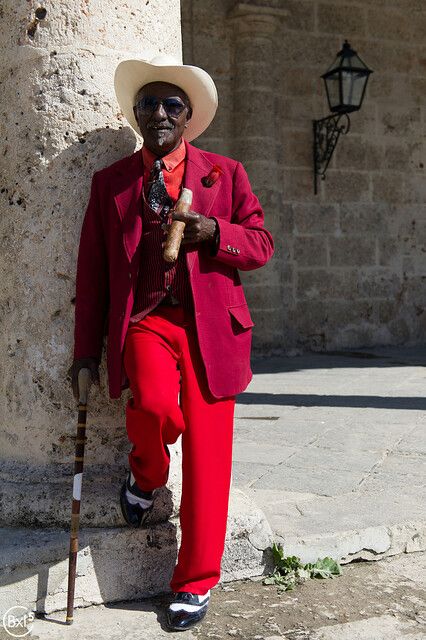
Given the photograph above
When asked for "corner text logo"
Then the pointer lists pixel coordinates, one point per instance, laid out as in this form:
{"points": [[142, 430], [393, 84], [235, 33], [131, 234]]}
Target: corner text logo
{"points": [[18, 620]]}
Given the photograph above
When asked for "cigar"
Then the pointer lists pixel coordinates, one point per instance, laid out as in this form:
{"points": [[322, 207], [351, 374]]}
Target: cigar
{"points": [[174, 237]]}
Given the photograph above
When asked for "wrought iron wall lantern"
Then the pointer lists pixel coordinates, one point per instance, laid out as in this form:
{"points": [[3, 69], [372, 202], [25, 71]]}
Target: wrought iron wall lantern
{"points": [[345, 83]]}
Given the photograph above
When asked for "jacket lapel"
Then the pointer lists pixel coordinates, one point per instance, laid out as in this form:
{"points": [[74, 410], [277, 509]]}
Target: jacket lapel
{"points": [[197, 167], [128, 199]]}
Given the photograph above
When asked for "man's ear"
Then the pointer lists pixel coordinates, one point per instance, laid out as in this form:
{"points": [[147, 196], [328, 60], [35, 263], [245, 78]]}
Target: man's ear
{"points": [[189, 114]]}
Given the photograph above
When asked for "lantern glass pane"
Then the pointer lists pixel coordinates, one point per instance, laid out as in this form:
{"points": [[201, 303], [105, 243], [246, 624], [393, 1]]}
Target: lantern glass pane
{"points": [[332, 84], [354, 61], [352, 87], [336, 64]]}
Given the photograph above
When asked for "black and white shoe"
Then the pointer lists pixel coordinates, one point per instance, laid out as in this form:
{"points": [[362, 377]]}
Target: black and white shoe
{"points": [[135, 503], [186, 609]]}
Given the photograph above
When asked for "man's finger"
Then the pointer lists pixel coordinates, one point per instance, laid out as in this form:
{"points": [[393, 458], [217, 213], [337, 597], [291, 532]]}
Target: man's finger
{"points": [[188, 216]]}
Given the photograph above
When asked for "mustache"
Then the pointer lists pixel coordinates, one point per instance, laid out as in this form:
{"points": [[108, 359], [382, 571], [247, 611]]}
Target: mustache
{"points": [[156, 126]]}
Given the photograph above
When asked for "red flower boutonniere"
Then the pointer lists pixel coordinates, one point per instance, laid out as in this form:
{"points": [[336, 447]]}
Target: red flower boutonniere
{"points": [[212, 177]]}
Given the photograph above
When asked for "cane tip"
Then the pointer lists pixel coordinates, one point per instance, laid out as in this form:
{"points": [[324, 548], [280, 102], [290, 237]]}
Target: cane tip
{"points": [[69, 620]]}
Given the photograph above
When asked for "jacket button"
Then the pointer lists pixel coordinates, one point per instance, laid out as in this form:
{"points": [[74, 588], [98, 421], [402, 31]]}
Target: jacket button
{"points": [[130, 275]]}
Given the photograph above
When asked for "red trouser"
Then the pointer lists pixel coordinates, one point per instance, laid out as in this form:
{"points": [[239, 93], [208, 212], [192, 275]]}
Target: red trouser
{"points": [[161, 358]]}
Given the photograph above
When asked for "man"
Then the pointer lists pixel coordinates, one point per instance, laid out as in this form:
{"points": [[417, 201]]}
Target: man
{"points": [[178, 334]]}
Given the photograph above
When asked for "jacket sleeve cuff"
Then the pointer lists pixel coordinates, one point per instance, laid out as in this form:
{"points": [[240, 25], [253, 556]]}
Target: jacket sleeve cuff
{"points": [[214, 245]]}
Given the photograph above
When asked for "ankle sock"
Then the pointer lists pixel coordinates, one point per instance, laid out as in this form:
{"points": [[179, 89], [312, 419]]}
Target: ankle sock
{"points": [[137, 498]]}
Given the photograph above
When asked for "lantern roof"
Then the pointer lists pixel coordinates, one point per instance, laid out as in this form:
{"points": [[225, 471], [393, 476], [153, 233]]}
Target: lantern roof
{"points": [[347, 60]]}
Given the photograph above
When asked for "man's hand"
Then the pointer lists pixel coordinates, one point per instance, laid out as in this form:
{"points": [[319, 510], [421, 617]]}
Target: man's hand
{"points": [[83, 363], [198, 228]]}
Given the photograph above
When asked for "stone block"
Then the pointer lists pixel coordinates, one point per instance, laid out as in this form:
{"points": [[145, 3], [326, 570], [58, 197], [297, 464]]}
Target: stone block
{"points": [[269, 296], [253, 73], [310, 251], [298, 185], [379, 283], [389, 251], [309, 49], [356, 251], [391, 24], [295, 113], [357, 152], [389, 57], [399, 120], [340, 18], [252, 49], [390, 86], [415, 188], [396, 156], [418, 88], [341, 186], [299, 82], [389, 187], [297, 149], [268, 332], [386, 311], [256, 148], [300, 15], [262, 173], [315, 219], [400, 330], [359, 219], [323, 284], [286, 220]]}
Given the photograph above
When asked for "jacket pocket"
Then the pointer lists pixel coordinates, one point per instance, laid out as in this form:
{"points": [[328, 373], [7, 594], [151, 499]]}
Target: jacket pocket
{"points": [[241, 314]]}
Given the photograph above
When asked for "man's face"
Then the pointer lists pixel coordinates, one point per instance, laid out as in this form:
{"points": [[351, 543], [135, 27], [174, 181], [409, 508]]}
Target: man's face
{"points": [[161, 124]]}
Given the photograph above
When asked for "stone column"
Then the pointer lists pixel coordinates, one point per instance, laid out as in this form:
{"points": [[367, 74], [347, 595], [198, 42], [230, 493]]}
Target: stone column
{"points": [[60, 122], [256, 145]]}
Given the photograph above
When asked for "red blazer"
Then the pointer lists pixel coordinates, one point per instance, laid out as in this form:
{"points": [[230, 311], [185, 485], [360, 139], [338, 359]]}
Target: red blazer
{"points": [[107, 267]]}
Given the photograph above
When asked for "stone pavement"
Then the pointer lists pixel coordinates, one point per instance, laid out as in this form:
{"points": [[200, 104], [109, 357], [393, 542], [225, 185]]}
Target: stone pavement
{"points": [[332, 447], [383, 600]]}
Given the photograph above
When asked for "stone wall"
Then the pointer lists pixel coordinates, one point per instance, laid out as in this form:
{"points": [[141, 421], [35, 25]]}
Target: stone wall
{"points": [[59, 123], [350, 265]]}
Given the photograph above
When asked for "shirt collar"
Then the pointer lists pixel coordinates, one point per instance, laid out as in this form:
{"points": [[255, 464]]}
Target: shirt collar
{"points": [[171, 160]]}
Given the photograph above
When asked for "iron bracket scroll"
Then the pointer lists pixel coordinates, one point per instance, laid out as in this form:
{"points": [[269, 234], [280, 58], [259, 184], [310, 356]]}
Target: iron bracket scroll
{"points": [[326, 134]]}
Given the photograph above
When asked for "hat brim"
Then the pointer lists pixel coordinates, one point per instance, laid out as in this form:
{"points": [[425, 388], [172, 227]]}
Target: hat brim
{"points": [[131, 75]]}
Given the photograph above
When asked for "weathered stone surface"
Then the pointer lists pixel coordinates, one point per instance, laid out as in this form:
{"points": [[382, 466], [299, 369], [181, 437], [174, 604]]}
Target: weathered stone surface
{"points": [[353, 251], [309, 251], [145, 557], [378, 166], [60, 123]]}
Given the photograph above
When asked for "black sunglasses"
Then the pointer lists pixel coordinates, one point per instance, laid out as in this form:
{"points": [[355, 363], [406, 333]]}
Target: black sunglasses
{"points": [[172, 106]]}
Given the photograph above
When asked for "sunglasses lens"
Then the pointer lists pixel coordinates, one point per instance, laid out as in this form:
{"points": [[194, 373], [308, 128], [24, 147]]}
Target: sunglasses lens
{"points": [[173, 107], [147, 104]]}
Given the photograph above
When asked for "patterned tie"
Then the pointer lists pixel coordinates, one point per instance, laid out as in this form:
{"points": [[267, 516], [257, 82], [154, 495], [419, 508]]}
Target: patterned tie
{"points": [[158, 198]]}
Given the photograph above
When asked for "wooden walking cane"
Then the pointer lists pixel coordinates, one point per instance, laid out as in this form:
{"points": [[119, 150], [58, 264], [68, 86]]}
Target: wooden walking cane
{"points": [[84, 377]]}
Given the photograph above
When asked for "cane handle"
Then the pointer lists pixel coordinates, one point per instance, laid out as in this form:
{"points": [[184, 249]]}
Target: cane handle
{"points": [[174, 237]]}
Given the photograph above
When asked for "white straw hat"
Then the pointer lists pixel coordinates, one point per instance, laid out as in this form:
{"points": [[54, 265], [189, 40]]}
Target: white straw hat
{"points": [[131, 75]]}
